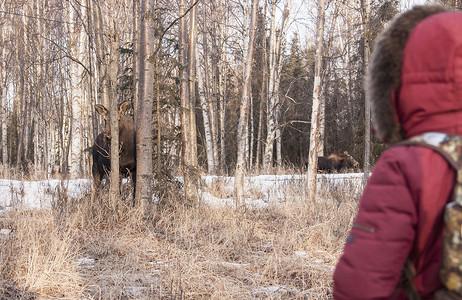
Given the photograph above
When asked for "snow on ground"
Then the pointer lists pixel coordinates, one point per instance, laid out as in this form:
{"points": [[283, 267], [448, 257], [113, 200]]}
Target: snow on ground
{"points": [[260, 190], [39, 194], [265, 189]]}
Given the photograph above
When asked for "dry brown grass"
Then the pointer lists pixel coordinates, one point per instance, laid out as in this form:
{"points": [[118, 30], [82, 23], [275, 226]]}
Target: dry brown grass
{"points": [[82, 250]]}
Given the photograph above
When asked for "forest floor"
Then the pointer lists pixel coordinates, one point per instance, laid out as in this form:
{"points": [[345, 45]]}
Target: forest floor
{"points": [[280, 247]]}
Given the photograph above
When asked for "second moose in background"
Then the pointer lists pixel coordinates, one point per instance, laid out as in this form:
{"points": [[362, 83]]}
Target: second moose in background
{"points": [[336, 163]]}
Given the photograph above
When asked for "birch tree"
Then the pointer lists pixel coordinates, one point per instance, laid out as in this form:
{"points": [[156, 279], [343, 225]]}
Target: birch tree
{"points": [[365, 8], [3, 94], [317, 91], [263, 94], [222, 82], [244, 107], [188, 125], [208, 79], [144, 110], [77, 35], [207, 126], [114, 192], [276, 45], [136, 51]]}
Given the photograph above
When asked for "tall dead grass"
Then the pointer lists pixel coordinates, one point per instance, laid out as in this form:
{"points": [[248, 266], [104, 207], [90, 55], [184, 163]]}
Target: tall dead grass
{"points": [[37, 256], [81, 249]]}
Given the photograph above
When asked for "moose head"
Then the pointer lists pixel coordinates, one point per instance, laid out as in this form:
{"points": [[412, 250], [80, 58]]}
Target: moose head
{"points": [[349, 162], [127, 151], [125, 123]]}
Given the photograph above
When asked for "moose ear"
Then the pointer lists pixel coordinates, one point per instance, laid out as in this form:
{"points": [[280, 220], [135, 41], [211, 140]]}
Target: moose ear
{"points": [[101, 109], [123, 107]]}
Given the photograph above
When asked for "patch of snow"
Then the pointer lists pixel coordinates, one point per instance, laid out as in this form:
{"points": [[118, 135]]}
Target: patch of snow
{"points": [[40, 194], [318, 261], [134, 291], [230, 265], [272, 291], [5, 231], [301, 253], [85, 261], [261, 191], [162, 263]]}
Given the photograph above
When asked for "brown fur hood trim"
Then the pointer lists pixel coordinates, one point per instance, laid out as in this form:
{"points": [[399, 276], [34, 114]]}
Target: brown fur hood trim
{"points": [[384, 72]]}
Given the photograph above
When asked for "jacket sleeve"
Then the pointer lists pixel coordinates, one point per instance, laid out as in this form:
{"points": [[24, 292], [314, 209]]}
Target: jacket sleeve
{"points": [[381, 237]]}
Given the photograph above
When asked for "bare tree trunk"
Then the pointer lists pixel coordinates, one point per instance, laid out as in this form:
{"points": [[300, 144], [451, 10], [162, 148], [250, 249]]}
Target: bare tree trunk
{"points": [[38, 137], [263, 94], [241, 130], [144, 112], [278, 147], [277, 41], [187, 110], [136, 52], [214, 67], [207, 90], [222, 85], [100, 52], [280, 49], [317, 92], [114, 193], [365, 7], [207, 125], [251, 142], [271, 112], [192, 86], [322, 123], [3, 109], [77, 92], [222, 114]]}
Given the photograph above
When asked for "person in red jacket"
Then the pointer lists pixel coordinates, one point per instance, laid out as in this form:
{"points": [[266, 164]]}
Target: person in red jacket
{"points": [[414, 85]]}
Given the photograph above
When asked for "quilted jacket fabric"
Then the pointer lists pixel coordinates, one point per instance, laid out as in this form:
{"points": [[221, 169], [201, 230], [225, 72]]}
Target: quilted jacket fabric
{"points": [[401, 211]]}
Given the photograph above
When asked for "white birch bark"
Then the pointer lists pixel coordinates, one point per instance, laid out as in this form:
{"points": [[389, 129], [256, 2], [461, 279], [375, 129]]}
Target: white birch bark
{"points": [[251, 135], [3, 109], [214, 91], [136, 52], [317, 90], [365, 5], [263, 95], [144, 112], [208, 89], [271, 113], [276, 46], [207, 125], [241, 131], [192, 90], [114, 192], [189, 159], [322, 123], [281, 46], [222, 85], [77, 92]]}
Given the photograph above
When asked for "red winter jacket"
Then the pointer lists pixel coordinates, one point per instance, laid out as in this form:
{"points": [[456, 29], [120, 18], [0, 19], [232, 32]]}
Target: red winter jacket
{"points": [[401, 211]]}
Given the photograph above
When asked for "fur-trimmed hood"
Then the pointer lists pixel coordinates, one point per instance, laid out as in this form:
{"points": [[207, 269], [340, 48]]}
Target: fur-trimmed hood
{"points": [[414, 79]]}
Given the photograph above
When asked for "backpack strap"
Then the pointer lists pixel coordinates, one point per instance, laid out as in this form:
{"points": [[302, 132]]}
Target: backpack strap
{"points": [[447, 145], [450, 147]]}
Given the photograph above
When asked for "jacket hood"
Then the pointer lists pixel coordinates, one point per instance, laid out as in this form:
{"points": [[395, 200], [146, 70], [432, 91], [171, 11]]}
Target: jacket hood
{"points": [[414, 79]]}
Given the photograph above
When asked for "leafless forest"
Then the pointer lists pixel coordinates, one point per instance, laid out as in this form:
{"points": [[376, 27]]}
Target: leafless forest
{"points": [[60, 58], [215, 87]]}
